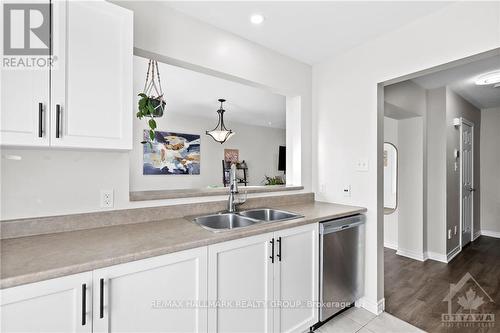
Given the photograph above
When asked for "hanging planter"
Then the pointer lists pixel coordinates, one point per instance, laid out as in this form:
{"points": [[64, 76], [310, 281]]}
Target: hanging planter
{"points": [[151, 103]]}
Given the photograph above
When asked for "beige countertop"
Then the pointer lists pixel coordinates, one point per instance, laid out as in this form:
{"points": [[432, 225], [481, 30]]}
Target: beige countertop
{"points": [[36, 258]]}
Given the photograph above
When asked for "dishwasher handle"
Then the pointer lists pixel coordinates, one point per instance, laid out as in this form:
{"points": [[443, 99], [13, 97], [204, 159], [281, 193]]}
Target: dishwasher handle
{"points": [[341, 224]]}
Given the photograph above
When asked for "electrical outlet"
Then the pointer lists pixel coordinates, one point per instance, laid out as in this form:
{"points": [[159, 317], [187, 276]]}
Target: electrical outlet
{"points": [[107, 198], [449, 233], [347, 190], [362, 165]]}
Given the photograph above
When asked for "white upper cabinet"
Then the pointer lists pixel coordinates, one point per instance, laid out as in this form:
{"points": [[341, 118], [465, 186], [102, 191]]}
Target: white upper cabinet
{"points": [[241, 271], [58, 305], [296, 278], [24, 107], [24, 102], [153, 295], [92, 80], [89, 87]]}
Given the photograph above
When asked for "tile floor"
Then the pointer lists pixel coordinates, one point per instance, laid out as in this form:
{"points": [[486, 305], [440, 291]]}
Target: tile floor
{"points": [[362, 321]]}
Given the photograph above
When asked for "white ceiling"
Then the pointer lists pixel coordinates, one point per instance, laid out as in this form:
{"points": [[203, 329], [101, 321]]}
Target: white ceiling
{"points": [[192, 93], [462, 80], [308, 31]]}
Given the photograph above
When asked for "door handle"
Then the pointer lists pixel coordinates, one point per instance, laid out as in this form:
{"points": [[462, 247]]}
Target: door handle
{"points": [[472, 189], [101, 298], [40, 120], [272, 251], [84, 304], [279, 249], [58, 120]]}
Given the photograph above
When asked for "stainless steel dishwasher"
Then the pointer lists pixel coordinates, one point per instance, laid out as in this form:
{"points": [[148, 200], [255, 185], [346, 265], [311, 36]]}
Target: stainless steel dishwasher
{"points": [[341, 264]]}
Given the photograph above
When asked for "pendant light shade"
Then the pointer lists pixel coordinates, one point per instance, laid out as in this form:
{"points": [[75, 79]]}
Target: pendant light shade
{"points": [[220, 133]]}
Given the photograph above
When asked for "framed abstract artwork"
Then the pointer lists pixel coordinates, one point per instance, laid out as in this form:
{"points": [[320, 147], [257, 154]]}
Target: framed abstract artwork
{"points": [[171, 154]]}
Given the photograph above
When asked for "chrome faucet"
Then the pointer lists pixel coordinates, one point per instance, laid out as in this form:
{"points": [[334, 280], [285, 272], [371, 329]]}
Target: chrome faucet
{"points": [[232, 202]]}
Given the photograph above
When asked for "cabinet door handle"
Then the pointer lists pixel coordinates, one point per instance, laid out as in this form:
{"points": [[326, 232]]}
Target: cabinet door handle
{"points": [[272, 250], [58, 120], [84, 304], [279, 248], [40, 120], [101, 298]]}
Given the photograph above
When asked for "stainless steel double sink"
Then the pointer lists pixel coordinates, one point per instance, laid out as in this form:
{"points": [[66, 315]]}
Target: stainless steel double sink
{"points": [[246, 218]]}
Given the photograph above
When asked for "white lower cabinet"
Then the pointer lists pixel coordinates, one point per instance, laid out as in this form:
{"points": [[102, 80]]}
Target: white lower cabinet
{"points": [[263, 283], [153, 295], [57, 305], [241, 271], [296, 279]]}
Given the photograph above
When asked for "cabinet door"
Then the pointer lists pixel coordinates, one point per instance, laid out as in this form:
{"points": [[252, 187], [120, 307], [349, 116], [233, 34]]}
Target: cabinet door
{"points": [[55, 305], [23, 92], [296, 279], [153, 295], [241, 271], [92, 81]]}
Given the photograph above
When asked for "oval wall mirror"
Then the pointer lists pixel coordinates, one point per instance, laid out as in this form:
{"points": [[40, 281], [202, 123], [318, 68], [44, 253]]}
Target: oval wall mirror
{"points": [[390, 178]]}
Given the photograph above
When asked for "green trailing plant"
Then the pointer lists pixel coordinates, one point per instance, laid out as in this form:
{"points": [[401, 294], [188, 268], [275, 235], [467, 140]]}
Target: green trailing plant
{"points": [[277, 180], [150, 107], [151, 103]]}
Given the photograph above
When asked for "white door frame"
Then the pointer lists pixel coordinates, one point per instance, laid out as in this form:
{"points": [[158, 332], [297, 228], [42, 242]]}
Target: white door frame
{"points": [[471, 124]]}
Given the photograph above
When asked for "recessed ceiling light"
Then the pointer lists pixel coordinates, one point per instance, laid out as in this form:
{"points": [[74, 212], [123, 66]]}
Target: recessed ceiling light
{"points": [[488, 78], [256, 19]]}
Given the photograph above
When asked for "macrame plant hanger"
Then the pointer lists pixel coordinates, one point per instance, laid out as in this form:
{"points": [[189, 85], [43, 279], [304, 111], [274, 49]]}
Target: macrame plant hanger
{"points": [[153, 89]]}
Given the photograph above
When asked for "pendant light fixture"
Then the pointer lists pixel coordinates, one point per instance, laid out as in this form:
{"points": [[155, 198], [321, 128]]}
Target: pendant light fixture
{"points": [[220, 133]]}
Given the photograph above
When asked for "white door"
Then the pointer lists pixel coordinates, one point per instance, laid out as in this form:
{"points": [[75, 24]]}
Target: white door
{"points": [[153, 295], [240, 278], [467, 180], [92, 82], [296, 278], [58, 305], [24, 105]]}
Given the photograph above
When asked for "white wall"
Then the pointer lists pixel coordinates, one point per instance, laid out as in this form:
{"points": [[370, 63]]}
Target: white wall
{"points": [[411, 189], [63, 182], [391, 220], [490, 176], [436, 175], [346, 123], [258, 146]]}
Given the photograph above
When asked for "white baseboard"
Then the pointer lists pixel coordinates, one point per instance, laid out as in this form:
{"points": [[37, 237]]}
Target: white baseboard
{"points": [[371, 305], [436, 256], [392, 246], [411, 254], [490, 233], [476, 235], [453, 253]]}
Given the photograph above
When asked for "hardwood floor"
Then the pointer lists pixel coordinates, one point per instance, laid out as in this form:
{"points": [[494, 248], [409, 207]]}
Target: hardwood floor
{"points": [[415, 291]]}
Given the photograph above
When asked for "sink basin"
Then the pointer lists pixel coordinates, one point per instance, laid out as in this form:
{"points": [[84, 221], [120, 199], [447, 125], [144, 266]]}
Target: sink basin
{"points": [[268, 215], [226, 221]]}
